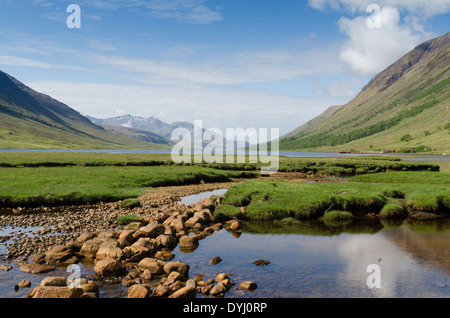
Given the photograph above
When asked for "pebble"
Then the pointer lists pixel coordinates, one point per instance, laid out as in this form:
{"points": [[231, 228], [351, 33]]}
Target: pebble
{"points": [[39, 230]]}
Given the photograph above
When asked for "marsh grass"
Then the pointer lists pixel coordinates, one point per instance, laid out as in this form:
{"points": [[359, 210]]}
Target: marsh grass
{"points": [[394, 193], [131, 203], [77, 185], [337, 216], [392, 211], [128, 218]]}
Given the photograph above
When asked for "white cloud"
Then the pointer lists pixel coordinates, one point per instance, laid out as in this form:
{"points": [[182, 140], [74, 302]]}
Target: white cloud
{"points": [[102, 45], [369, 51], [187, 11], [425, 8], [17, 61], [216, 107], [229, 68], [348, 88]]}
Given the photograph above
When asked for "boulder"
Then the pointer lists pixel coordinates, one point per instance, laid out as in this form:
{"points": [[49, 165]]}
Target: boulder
{"points": [[110, 234], [127, 235], [123, 243], [177, 266], [109, 267], [236, 226], [185, 292], [5, 268], [34, 268], [177, 224], [109, 252], [108, 242], [191, 283], [170, 219], [139, 291], [90, 287], [221, 277], [58, 254], [164, 255], [248, 285], [206, 289], [147, 275], [136, 253], [188, 242], [55, 292], [149, 243], [175, 285], [24, 284], [192, 221], [204, 215], [90, 248], [161, 290], [133, 226], [218, 289], [155, 266], [167, 241], [152, 230], [86, 236], [215, 260], [54, 281], [76, 246]]}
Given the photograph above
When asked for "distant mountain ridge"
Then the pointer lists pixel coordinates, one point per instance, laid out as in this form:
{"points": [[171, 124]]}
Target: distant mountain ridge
{"points": [[154, 125], [29, 120], [403, 108], [150, 124]]}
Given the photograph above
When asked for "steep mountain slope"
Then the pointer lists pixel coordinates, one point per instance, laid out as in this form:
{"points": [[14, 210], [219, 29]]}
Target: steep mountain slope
{"points": [[405, 107], [29, 120]]}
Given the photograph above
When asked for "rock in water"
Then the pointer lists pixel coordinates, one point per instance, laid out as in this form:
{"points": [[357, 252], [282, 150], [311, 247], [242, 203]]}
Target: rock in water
{"points": [[109, 267]]}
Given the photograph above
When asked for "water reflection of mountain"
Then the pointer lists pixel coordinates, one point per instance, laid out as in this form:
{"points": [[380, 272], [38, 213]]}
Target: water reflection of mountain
{"points": [[315, 227], [428, 242]]}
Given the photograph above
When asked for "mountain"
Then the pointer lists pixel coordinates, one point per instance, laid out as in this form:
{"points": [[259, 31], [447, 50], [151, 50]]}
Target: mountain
{"points": [[138, 134], [155, 126], [31, 120], [150, 124], [405, 108]]}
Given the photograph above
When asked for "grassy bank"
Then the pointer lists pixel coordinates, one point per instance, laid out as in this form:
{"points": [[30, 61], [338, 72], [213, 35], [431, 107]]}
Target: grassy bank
{"points": [[335, 166], [31, 179], [362, 195], [74, 185]]}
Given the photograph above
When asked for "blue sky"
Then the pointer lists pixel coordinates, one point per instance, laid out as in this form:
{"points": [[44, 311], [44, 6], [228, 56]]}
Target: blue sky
{"points": [[230, 63]]}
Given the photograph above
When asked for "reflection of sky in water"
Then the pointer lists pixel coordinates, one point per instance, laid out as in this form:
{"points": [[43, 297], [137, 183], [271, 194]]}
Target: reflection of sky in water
{"points": [[318, 266], [304, 265], [192, 199]]}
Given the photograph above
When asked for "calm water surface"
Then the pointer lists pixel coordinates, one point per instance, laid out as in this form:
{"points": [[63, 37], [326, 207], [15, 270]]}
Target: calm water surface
{"points": [[309, 260]]}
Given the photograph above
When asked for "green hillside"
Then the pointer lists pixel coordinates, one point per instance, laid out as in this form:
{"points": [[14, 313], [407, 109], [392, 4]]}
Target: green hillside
{"points": [[405, 107], [31, 120]]}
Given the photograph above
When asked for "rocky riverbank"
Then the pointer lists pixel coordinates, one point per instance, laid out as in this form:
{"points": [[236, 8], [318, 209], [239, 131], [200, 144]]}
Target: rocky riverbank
{"points": [[137, 255]]}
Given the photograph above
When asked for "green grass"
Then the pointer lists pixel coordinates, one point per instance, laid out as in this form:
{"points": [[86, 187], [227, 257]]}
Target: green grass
{"points": [[407, 177], [128, 218], [392, 211], [337, 216], [75, 185], [53, 159], [275, 200], [335, 166], [131, 203], [278, 199], [423, 191]]}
